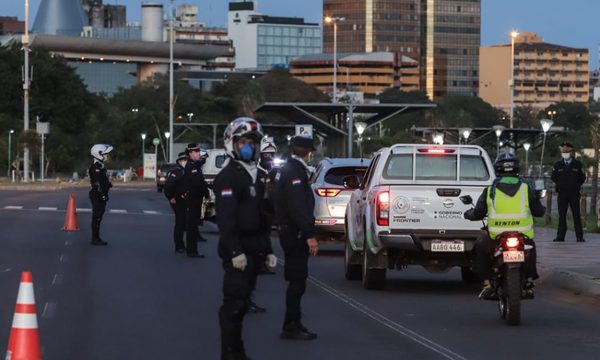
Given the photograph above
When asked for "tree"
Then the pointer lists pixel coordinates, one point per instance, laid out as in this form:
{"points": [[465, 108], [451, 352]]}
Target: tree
{"points": [[592, 223]]}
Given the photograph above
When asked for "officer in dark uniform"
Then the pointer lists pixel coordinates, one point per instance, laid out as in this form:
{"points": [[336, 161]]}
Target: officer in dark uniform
{"points": [[99, 192], [197, 189], [176, 193], [294, 203], [239, 198], [568, 176]]}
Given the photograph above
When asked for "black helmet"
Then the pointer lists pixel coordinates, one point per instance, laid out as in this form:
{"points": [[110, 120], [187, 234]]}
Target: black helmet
{"points": [[506, 164]]}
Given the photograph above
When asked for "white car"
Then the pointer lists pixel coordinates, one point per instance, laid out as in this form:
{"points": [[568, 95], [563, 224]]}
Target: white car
{"points": [[407, 211]]}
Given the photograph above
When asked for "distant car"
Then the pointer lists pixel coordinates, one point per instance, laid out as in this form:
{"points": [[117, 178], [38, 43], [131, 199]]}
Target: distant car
{"points": [[331, 195], [162, 173]]}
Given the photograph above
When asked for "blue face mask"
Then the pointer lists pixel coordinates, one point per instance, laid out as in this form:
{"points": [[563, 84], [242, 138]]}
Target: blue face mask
{"points": [[247, 152]]}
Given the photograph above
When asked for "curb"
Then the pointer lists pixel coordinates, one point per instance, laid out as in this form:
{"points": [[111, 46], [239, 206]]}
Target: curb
{"points": [[578, 283]]}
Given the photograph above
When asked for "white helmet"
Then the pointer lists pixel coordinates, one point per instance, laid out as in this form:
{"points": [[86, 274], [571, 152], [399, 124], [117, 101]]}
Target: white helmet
{"points": [[267, 145], [99, 151], [241, 127]]}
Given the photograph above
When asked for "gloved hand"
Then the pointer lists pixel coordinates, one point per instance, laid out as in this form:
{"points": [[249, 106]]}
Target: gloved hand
{"points": [[271, 260], [104, 197], [240, 262], [467, 214]]}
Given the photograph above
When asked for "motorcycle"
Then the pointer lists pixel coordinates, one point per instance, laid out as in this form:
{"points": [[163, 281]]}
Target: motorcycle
{"points": [[510, 253]]}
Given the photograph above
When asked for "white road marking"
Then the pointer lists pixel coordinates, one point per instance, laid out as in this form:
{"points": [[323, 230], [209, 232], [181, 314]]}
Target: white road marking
{"points": [[6, 270], [117, 211], [13, 207], [84, 210], [151, 212], [49, 310], [47, 208], [57, 280], [63, 258], [68, 242]]}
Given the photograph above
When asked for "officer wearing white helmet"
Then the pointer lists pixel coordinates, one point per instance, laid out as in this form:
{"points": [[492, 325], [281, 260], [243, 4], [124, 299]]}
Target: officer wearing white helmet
{"points": [[243, 244], [100, 185]]}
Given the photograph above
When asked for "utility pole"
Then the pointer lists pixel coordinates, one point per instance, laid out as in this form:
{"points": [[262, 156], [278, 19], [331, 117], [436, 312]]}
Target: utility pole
{"points": [[171, 90], [25, 41]]}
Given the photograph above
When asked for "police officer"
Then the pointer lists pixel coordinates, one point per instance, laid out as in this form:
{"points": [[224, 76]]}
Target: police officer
{"points": [[197, 190], [177, 195], [100, 185], [265, 163], [507, 196], [294, 203], [568, 176], [239, 198]]}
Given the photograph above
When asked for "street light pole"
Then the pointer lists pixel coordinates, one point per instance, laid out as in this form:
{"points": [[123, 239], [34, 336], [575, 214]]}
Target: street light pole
{"points": [[513, 36], [168, 136], [360, 129], [498, 129], [526, 146], [546, 125], [171, 90], [10, 132], [25, 41], [334, 21], [143, 147]]}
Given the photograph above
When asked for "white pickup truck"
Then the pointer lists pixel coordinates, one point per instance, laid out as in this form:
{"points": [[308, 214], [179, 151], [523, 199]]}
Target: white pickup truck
{"points": [[407, 211]]}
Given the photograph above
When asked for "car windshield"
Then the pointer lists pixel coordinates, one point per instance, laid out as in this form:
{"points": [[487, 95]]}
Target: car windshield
{"points": [[436, 167], [335, 176]]}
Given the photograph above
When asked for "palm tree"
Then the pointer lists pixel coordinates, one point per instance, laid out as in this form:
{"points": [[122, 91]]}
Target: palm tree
{"points": [[595, 132]]}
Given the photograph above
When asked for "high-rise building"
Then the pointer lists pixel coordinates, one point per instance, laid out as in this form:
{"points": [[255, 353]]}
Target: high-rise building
{"points": [[444, 35], [262, 41], [543, 73]]}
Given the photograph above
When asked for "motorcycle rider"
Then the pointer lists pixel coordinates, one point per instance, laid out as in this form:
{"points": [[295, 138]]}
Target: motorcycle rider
{"points": [[239, 198], [508, 197], [99, 192]]}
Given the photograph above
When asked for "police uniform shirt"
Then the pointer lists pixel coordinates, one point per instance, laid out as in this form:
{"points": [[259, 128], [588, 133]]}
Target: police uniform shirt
{"points": [[568, 177], [239, 201], [99, 178], [294, 199], [194, 181], [175, 186]]}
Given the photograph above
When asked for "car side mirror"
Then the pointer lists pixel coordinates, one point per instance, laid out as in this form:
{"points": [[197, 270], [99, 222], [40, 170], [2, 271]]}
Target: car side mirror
{"points": [[351, 182], [467, 199]]}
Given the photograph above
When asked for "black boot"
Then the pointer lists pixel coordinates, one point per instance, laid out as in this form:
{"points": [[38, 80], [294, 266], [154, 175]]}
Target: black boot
{"points": [[255, 309], [99, 242], [296, 331], [232, 354]]}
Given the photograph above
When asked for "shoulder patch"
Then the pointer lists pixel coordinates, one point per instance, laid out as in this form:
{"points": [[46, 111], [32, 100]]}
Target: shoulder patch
{"points": [[227, 193], [296, 181], [277, 176]]}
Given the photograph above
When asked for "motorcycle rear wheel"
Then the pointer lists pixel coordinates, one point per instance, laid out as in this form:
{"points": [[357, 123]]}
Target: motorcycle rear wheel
{"points": [[512, 296]]}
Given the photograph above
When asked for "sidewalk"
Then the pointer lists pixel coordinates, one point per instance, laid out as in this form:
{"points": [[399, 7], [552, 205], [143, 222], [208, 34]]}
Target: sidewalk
{"points": [[569, 265]]}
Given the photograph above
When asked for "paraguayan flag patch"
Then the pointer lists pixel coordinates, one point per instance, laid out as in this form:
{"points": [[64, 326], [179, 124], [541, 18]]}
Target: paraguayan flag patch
{"points": [[296, 182], [226, 193]]}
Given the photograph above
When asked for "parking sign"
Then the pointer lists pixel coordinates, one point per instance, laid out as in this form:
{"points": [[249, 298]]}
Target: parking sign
{"points": [[305, 131]]}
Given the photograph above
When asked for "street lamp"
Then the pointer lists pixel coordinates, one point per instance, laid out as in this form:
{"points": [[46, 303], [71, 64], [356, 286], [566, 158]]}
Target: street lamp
{"points": [[498, 129], [466, 132], [511, 83], [527, 146], [167, 136], [190, 115], [10, 132], [143, 135], [135, 110], [171, 86], [360, 129], [334, 21], [546, 125], [551, 113], [438, 138]]}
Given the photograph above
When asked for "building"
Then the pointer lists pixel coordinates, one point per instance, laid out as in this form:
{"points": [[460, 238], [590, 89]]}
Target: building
{"points": [[368, 73], [443, 35], [262, 42], [543, 73], [11, 25], [100, 15]]}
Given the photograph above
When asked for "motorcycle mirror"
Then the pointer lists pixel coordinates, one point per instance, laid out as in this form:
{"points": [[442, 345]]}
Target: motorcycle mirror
{"points": [[541, 193], [467, 199]]}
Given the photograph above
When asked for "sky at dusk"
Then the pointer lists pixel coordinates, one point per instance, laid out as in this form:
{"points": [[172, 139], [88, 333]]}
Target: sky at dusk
{"points": [[571, 23]]}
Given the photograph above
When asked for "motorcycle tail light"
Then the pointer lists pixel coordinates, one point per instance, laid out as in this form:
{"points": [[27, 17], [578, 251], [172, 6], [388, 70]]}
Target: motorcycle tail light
{"points": [[512, 242]]}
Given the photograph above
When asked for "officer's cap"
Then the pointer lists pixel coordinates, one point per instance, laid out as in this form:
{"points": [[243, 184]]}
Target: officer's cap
{"points": [[566, 146], [182, 156], [303, 142], [192, 147]]}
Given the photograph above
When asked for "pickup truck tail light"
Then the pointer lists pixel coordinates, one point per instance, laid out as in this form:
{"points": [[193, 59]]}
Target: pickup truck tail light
{"points": [[323, 192], [382, 206]]}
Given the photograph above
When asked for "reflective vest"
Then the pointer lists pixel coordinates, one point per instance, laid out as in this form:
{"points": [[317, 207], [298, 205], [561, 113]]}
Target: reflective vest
{"points": [[509, 213]]}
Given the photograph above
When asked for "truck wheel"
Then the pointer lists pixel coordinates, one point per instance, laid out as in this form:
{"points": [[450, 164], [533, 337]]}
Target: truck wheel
{"points": [[352, 271], [468, 276], [372, 279]]}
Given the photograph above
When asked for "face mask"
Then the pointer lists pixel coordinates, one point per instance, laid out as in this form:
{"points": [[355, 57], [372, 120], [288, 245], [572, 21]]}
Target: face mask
{"points": [[247, 152], [566, 156]]}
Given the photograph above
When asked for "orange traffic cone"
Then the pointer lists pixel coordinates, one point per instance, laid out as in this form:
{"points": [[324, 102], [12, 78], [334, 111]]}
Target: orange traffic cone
{"points": [[24, 342], [71, 223]]}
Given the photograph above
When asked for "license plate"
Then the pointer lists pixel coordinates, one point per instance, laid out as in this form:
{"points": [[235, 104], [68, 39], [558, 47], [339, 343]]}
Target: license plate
{"points": [[513, 256], [448, 246]]}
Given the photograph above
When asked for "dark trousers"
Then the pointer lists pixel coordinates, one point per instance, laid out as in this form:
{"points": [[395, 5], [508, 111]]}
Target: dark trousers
{"points": [[296, 254], [180, 210], [192, 222], [485, 247], [98, 209], [237, 287], [565, 200]]}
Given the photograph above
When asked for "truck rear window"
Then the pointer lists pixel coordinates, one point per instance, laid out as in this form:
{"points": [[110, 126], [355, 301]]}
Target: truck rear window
{"points": [[335, 176], [219, 160], [435, 167]]}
